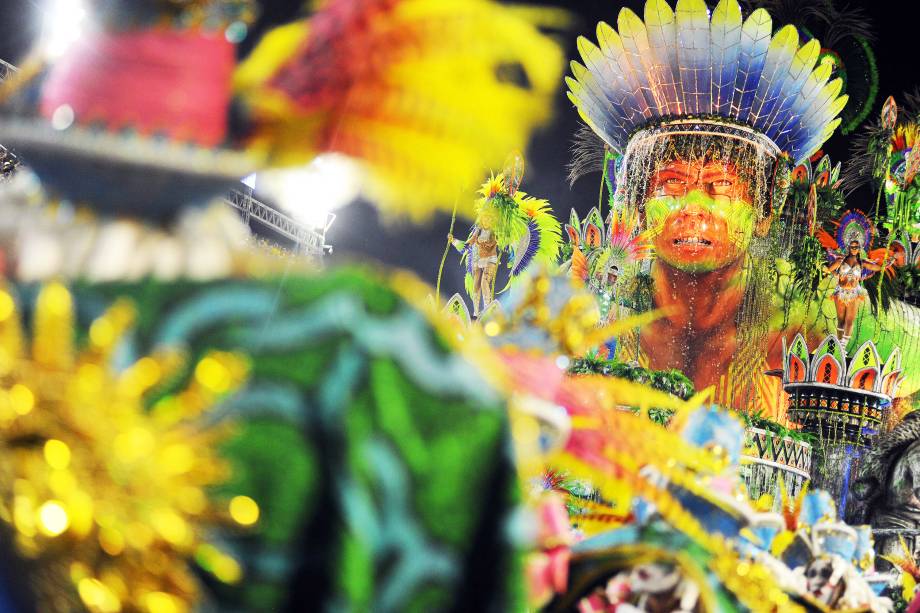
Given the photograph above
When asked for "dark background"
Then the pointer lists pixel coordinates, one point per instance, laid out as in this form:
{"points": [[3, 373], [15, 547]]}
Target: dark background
{"points": [[358, 233]]}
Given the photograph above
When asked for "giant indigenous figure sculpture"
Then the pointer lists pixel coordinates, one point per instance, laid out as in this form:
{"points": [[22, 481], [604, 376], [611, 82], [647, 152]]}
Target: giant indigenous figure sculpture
{"points": [[701, 211], [708, 113]]}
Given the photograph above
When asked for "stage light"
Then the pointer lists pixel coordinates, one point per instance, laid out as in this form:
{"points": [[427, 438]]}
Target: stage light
{"points": [[249, 181], [63, 23], [311, 192]]}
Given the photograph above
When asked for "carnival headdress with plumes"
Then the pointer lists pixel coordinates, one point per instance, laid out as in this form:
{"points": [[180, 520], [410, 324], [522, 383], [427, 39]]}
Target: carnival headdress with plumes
{"points": [[682, 64], [885, 156], [854, 226], [846, 32], [597, 246]]}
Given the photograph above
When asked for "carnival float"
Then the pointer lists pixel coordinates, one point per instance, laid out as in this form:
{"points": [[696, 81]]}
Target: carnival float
{"points": [[694, 394]]}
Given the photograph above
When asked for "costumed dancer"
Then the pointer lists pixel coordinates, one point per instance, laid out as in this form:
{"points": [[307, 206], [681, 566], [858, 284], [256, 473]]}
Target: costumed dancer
{"points": [[850, 268], [507, 221], [481, 251]]}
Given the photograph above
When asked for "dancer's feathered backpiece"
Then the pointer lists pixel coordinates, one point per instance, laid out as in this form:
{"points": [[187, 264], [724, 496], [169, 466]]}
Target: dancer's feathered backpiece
{"points": [[596, 246]]}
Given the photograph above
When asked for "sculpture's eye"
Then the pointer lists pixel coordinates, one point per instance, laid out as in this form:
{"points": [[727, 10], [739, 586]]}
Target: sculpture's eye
{"points": [[721, 187], [674, 186]]}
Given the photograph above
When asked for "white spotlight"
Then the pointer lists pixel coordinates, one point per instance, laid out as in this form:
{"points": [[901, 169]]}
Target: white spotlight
{"points": [[63, 24], [311, 192], [249, 181]]}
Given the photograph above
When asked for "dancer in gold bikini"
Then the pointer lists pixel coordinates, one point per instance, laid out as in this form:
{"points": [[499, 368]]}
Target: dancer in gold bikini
{"points": [[483, 256]]}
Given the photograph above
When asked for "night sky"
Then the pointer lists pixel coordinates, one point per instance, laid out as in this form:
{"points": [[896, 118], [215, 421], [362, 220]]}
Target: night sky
{"points": [[358, 233]]}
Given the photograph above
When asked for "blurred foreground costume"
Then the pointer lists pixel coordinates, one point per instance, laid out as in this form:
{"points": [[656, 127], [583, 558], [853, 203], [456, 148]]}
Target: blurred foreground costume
{"points": [[187, 422]]}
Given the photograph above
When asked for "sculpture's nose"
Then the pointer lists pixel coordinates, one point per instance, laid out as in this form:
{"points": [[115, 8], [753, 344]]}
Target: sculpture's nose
{"points": [[693, 209]]}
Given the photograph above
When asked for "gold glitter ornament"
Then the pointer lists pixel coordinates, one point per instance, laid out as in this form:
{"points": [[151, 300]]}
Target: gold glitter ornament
{"points": [[105, 498], [554, 314]]}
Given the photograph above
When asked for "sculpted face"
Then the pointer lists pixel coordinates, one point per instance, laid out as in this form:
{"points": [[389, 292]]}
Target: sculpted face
{"points": [[701, 215]]}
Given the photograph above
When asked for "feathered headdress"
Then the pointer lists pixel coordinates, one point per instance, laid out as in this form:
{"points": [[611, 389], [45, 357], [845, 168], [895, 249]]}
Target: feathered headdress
{"points": [[854, 226], [684, 65], [846, 33], [883, 154], [427, 94], [597, 246]]}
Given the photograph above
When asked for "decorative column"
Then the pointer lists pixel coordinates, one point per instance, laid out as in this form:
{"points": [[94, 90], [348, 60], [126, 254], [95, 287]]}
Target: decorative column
{"points": [[843, 401]]}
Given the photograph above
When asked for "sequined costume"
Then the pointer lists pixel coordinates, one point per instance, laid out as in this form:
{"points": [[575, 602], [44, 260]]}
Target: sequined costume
{"points": [[849, 282]]}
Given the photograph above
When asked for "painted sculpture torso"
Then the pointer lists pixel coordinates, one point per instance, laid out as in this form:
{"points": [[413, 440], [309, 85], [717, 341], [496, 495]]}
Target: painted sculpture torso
{"points": [[702, 221], [698, 335]]}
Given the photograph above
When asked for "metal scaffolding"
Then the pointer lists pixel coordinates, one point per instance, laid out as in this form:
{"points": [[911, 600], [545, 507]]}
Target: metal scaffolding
{"points": [[6, 69], [310, 242]]}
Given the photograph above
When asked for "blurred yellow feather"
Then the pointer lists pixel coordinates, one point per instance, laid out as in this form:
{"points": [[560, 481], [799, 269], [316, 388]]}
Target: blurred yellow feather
{"points": [[426, 94]]}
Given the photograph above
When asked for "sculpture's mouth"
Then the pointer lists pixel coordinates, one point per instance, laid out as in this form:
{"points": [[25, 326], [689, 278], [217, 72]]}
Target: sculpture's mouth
{"points": [[694, 241]]}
